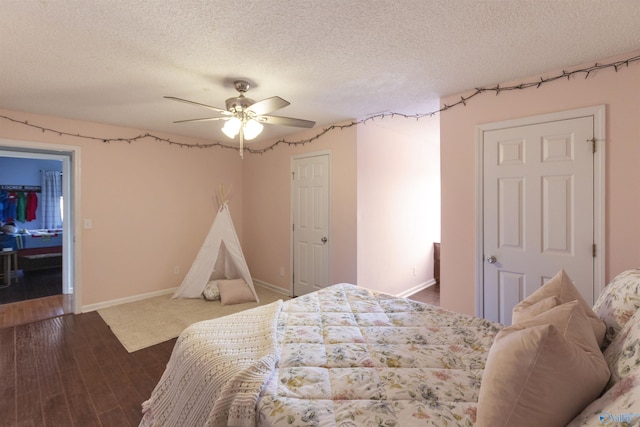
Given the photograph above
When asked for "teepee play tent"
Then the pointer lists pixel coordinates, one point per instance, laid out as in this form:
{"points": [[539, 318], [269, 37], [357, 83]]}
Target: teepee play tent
{"points": [[220, 257]]}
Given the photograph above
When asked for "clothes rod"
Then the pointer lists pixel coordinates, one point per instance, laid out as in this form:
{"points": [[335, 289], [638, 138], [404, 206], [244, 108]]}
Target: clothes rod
{"points": [[34, 188]]}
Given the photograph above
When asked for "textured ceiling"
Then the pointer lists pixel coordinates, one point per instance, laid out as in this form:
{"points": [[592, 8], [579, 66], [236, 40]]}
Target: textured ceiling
{"points": [[112, 61]]}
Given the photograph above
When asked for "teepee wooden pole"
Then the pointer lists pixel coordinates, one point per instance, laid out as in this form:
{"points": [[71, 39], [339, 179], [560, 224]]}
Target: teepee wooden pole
{"points": [[220, 195], [223, 194]]}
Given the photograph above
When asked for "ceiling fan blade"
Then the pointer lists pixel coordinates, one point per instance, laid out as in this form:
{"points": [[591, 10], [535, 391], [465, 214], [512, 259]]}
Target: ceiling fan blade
{"points": [[205, 119], [268, 105], [219, 110], [287, 121]]}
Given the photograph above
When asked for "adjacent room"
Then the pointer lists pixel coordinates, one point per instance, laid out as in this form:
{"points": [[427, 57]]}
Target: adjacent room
{"points": [[340, 213], [35, 230]]}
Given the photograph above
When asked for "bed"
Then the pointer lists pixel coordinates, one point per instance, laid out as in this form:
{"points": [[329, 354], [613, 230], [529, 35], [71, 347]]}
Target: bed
{"points": [[347, 356], [37, 249]]}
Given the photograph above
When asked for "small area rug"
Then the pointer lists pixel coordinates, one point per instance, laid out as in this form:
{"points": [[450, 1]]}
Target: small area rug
{"points": [[147, 322]]}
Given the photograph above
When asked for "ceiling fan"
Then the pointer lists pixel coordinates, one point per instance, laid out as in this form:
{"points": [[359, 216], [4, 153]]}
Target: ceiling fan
{"points": [[244, 116]]}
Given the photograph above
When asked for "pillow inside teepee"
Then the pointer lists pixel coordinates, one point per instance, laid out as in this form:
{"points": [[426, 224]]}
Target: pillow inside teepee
{"points": [[235, 291], [211, 291]]}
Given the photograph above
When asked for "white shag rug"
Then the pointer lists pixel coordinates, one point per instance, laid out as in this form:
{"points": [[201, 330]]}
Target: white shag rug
{"points": [[147, 322]]}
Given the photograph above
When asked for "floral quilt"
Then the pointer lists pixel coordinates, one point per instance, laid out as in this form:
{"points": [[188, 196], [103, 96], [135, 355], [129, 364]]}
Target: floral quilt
{"points": [[352, 357]]}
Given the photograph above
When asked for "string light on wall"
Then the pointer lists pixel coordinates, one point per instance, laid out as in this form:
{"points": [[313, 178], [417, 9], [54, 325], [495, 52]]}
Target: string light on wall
{"points": [[252, 130]]}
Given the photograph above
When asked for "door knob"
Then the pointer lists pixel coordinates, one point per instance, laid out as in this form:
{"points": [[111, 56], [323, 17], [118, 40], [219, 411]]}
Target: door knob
{"points": [[491, 259], [324, 239]]}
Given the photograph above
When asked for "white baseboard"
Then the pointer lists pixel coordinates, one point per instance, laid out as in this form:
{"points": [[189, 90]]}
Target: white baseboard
{"points": [[271, 287], [105, 304], [274, 288], [417, 288]]}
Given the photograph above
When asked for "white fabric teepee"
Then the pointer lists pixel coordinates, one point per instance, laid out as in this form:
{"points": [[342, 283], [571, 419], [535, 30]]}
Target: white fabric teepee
{"points": [[220, 257]]}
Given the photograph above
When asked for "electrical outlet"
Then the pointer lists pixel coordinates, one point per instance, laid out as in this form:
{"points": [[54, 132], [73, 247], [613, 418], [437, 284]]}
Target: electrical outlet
{"points": [[415, 270], [176, 270], [282, 271]]}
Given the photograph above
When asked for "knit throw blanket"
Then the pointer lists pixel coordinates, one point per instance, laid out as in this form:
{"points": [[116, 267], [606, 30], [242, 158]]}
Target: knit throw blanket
{"points": [[216, 371]]}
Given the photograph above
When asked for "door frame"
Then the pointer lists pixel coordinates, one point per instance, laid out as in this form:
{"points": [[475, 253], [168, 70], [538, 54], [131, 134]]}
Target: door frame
{"points": [[70, 157], [598, 113], [294, 158]]}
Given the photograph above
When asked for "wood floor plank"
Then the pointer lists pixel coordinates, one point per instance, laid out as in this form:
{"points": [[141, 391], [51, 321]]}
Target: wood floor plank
{"points": [[81, 407], [50, 384], [104, 399], [131, 404], [129, 399], [85, 359], [56, 412], [7, 358], [29, 409], [8, 396], [114, 418], [430, 295], [26, 363], [8, 406]]}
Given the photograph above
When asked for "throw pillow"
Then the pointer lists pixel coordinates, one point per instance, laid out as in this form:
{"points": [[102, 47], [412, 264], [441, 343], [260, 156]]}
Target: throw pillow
{"points": [[618, 301], [211, 292], [543, 371], [235, 291], [521, 312], [562, 287], [623, 354]]}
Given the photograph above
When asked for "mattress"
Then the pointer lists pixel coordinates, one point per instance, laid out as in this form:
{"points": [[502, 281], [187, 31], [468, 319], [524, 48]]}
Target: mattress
{"points": [[345, 356]]}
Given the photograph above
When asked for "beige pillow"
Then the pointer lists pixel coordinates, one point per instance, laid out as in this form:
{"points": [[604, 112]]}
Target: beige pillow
{"points": [[235, 291], [543, 371], [562, 287], [521, 312]]}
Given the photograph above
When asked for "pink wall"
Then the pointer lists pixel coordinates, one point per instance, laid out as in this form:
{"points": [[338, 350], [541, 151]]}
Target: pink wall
{"points": [[386, 212], [267, 207], [398, 203], [619, 91], [151, 204]]}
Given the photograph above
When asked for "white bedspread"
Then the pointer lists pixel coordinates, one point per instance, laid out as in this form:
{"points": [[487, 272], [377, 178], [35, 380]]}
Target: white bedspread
{"points": [[216, 372]]}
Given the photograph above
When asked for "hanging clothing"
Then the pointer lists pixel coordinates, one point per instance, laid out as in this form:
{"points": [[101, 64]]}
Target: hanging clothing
{"points": [[10, 206], [21, 206], [32, 206]]}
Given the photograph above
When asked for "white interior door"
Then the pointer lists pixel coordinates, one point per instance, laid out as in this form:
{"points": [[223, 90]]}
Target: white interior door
{"points": [[311, 218], [538, 210]]}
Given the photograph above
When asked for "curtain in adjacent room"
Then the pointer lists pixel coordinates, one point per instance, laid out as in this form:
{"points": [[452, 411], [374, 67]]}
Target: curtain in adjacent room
{"points": [[50, 199]]}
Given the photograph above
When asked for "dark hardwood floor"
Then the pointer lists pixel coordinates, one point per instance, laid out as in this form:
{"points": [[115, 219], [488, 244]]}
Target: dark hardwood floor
{"points": [[430, 295], [36, 296], [71, 370], [33, 284]]}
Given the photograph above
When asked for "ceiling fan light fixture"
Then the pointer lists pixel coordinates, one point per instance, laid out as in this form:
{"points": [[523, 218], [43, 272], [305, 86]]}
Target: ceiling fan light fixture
{"points": [[232, 127], [251, 129], [244, 116]]}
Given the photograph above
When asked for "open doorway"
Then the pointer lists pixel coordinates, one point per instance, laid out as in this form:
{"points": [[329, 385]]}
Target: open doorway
{"points": [[42, 234]]}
